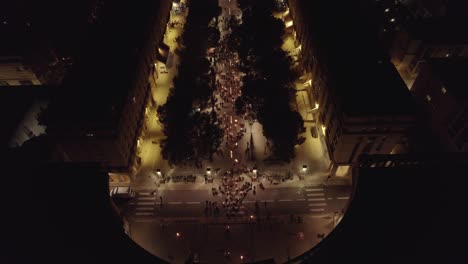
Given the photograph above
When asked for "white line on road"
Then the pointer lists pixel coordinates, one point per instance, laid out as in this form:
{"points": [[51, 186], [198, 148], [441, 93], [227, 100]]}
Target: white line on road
{"points": [[318, 216], [286, 200], [144, 213], [314, 189], [317, 204], [300, 199], [342, 198], [145, 209], [192, 202], [174, 203], [316, 199], [145, 198], [316, 209], [315, 194], [143, 203]]}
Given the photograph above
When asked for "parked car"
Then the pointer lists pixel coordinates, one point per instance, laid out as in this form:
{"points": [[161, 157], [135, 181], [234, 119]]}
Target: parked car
{"points": [[122, 192]]}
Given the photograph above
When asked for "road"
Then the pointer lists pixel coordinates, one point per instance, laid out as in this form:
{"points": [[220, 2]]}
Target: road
{"points": [[311, 200]]}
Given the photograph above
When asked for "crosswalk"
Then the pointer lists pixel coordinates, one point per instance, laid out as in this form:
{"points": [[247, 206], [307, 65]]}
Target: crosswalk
{"points": [[145, 203], [316, 200]]}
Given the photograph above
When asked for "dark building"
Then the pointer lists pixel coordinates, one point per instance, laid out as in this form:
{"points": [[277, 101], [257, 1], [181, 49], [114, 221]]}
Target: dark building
{"points": [[99, 112], [361, 102], [404, 209], [41, 40], [62, 213], [440, 89]]}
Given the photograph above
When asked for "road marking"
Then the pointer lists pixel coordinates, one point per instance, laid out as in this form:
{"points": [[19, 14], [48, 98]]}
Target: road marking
{"points": [[249, 201], [286, 200], [315, 194], [342, 198], [192, 202], [301, 199], [174, 202], [144, 214], [145, 198], [143, 203], [316, 209], [318, 216], [316, 199], [317, 204], [314, 189], [145, 209]]}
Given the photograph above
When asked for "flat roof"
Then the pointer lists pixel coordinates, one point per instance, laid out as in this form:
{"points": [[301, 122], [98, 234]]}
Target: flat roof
{"points": [[452, 74], [95, 91], [360, 73], [440, 30]]}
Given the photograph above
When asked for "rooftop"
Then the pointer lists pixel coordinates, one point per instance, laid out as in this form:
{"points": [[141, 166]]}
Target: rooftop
{"points": [[360, 74], [440, 30], [98, 85], [452, 74]]}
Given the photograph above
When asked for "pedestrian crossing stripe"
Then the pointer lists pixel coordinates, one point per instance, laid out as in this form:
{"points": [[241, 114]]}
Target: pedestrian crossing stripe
{"points": [[316, 199], [144, 213], [145, 198], [314, 189], [145, 209], [316, 209], [318, 204], [315, 194]]}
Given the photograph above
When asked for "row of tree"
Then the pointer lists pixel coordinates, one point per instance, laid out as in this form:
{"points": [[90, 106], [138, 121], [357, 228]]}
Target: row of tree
{"points": [[268, 86], [191, 133]]}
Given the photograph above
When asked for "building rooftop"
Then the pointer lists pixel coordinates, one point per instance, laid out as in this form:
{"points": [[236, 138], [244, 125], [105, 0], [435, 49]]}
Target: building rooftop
{"points": [[95, 91], [400, 214], [440, 30], [361, 75], [452, 74]]}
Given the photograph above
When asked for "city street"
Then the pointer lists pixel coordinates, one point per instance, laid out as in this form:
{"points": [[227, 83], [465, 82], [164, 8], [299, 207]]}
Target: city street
{"points": [[229, 212]]}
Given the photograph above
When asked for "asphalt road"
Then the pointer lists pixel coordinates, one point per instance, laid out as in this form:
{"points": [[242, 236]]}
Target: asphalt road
{"points": [[310, 200]]}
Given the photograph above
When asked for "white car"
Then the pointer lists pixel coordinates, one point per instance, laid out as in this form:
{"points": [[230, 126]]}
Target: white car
{"points": [[122, 192]]}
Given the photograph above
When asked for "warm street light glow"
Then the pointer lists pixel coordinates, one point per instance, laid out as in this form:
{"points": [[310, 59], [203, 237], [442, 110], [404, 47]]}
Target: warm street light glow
{"points": [[254, 170], [158, 172], [208, 171], [177, 234], [392, 20], [386, 10], [304, 168]]}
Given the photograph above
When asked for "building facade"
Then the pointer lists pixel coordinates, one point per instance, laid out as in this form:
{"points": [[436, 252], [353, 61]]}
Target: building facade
{"points": [[361, 103], [101, 112], [440, 89]]}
